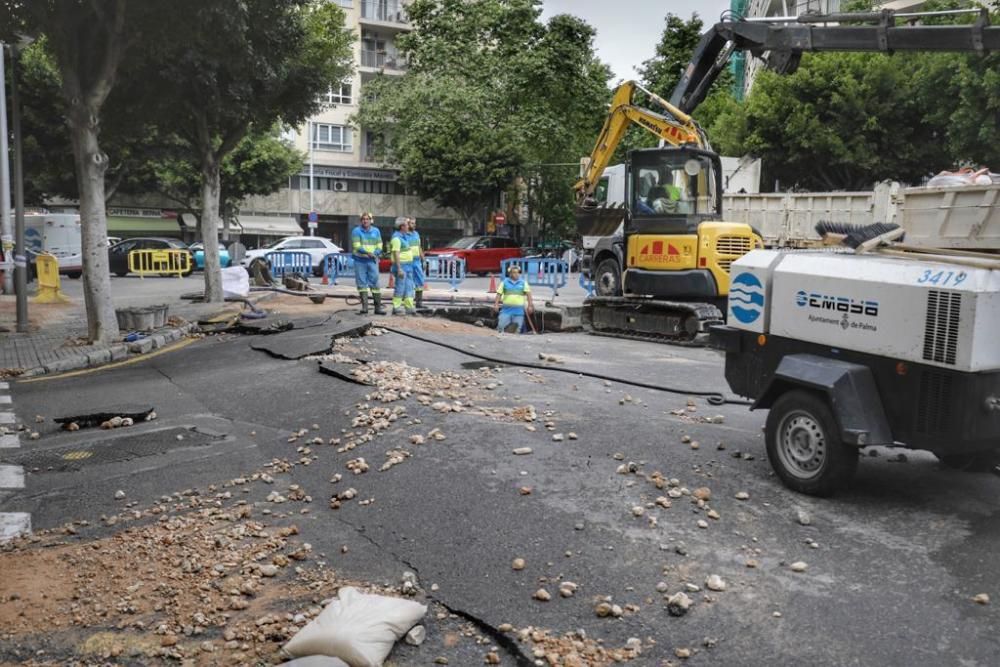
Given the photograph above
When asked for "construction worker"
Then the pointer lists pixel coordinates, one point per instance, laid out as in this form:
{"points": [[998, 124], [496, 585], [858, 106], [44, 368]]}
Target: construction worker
{"points": [[402, 266], [418, 263], [512, 293], [366, 243]]}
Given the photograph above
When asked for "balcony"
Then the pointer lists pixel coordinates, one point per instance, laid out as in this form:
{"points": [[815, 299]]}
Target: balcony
{"points": [[382, 60], [386, 13]]}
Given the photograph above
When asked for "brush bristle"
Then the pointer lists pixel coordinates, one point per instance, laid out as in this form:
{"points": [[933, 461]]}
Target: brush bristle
{"points": [[867, 233]]}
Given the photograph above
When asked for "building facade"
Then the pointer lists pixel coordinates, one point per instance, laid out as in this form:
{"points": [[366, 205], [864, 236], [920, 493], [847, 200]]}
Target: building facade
{"points": [[342, 177]]}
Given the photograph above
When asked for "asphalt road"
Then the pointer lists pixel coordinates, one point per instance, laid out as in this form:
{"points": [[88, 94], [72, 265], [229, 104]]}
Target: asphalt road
{"points": [[898, 556]]}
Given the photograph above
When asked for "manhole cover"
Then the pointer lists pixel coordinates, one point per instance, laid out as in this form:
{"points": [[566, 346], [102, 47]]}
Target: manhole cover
{"points": [[112, 450]]}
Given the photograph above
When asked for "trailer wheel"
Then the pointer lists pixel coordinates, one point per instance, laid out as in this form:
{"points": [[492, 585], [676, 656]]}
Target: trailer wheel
{"points": [[804, 445], [607, 278]]}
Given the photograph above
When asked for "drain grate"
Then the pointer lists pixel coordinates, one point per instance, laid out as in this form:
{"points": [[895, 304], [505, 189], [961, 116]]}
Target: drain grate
{"points": [[111, 450]]}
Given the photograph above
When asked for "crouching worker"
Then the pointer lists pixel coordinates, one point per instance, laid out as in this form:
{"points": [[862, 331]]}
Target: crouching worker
{"points": [[366, 242], [512, 295]]}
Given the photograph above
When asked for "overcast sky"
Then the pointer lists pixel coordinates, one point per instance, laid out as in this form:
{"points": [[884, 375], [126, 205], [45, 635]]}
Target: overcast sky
{"points": [[628, 30]]}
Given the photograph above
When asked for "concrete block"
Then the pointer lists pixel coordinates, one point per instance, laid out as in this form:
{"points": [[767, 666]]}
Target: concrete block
{"points": [[141, 346], [158, 341], [98, 357], [66, 364], [118, 352]]}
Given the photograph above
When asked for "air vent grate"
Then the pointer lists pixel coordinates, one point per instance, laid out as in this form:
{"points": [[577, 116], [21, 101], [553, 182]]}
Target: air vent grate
{"points": [[941, 326], [934, 407]]}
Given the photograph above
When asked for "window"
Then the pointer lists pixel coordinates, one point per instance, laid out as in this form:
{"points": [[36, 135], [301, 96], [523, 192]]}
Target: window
{"points": [[312, 244], [291, 245], [338, 94], [331, 137], [378, 187], [346, 4]]}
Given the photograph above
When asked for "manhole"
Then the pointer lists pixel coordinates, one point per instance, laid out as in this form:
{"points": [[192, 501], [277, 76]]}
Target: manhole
{"points": [[112, 450], [476, 365]]}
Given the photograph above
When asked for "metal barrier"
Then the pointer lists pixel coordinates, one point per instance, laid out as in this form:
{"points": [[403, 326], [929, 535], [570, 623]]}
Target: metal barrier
{"points": [[47, 267], [587, 284], [338, 265], [444, 269], [540, 271], [282, 262], [171, 261]]}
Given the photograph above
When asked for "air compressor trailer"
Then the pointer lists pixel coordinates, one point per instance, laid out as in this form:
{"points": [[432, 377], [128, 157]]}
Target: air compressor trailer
{"points": [[849, 350]]}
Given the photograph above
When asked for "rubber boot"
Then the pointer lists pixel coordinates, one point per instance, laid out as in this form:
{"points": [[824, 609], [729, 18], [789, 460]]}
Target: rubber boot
{"points": [[377, 298], [364, 303], [419, 303]]}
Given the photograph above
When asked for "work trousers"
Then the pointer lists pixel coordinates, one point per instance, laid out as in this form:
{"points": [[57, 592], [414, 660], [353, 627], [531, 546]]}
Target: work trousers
{"points": [[366, 275], [403, 296]]}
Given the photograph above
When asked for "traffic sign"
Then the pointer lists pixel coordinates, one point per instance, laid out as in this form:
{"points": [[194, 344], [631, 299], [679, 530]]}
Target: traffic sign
{"points": [[312, 224], [313, 217], [500, 219]]}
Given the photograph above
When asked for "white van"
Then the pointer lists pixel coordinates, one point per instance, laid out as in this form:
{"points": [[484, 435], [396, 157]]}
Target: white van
{"points": [[59, 235]]}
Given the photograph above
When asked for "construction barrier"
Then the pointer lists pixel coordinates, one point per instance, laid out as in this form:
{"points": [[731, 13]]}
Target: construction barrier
{"points": [[587, 284], [540, 271], [47, 267], [169, 261], [338, 265], [284, 262], [444, 269]]}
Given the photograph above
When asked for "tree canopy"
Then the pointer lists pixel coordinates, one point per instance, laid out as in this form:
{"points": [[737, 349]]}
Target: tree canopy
{"points": [[490, 91]]}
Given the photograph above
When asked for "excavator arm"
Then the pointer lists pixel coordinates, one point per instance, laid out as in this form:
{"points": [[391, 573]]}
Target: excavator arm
{"points": [[782, 41], [676, 128]]}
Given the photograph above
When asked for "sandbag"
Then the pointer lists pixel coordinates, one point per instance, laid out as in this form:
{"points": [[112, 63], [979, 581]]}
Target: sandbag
{"points": [[235, 281], [358, 628]]}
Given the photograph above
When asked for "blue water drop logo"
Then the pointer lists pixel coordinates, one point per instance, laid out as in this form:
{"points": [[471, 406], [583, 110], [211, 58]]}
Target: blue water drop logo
{"points": [[746, 298]]}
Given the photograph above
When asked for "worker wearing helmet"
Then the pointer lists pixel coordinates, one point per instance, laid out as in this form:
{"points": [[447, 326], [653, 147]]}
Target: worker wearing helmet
{"points": [[418, 263], [402, 266], [512, 294], [366, 244]]}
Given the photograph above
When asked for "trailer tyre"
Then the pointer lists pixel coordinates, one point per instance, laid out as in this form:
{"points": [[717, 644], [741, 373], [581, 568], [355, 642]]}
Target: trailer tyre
{"points": [[804, 445], [607, 278]]}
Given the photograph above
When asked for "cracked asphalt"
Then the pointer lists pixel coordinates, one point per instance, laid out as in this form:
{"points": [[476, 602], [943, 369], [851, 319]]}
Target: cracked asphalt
{"points": [[896, 561]]}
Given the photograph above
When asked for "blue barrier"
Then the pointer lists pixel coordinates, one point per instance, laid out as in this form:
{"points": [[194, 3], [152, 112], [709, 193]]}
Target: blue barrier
{"points": [[444, 269], [540, 271], [338, 265], [587, 284], [282, 262]]}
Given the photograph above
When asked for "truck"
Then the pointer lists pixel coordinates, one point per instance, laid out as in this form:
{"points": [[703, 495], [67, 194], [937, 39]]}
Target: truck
{"points": [[57, 234], [963, 217], [623, 289]]}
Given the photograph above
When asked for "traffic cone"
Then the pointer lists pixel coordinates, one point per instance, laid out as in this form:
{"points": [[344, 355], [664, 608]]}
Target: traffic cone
{"points": [[493, 285], [392, 280], [325, 281]]}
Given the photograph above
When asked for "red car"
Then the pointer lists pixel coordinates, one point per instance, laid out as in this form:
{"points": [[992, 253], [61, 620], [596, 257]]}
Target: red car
{"points": [[482, 254]]}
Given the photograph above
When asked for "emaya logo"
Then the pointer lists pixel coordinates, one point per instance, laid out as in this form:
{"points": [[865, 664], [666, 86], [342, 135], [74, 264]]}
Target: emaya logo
{"points": [[840, 304], [746, 298]]}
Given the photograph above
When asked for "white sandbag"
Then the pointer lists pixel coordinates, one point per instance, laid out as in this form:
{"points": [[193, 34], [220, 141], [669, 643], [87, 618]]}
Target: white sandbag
{"points": [[235, 281], [359, 629]]}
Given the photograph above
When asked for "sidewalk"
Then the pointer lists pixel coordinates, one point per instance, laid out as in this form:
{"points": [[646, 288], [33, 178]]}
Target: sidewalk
{"points": [[56, 340]]}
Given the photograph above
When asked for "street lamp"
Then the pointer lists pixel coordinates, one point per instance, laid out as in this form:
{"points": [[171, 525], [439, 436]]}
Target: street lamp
{"points": [[6, 226], [20, 259]]}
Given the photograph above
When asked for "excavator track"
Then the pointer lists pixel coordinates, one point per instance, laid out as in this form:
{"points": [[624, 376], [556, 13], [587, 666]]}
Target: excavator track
{"points": [[652, 320]]}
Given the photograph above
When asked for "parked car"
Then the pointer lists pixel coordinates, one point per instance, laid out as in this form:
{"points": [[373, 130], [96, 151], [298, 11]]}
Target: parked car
{"points": [[198, 250], [482, 254], [118, 253], [317, 247]]}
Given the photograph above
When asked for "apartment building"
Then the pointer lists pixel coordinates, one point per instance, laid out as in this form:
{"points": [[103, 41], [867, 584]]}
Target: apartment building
{"points": [[342, 176]]}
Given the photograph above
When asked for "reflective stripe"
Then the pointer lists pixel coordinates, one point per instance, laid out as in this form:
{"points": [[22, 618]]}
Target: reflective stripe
{"points": [[401, 245], [370, 242]]}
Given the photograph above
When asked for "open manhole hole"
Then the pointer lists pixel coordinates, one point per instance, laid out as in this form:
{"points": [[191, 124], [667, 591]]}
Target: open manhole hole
{"points": [[476, 365], [112, 450]]}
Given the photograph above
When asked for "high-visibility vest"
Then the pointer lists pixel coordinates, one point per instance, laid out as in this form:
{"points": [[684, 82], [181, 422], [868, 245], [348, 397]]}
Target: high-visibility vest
{"points": [[413, 237], [369, 241], [513, 294], [401, 244]]}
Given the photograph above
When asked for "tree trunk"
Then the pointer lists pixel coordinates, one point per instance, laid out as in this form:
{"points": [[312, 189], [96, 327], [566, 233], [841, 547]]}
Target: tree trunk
{"points": [[210, 194], [91, 163]]}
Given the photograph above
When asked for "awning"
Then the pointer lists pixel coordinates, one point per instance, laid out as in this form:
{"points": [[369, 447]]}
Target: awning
{"points": [[270, 226], [143, 226]]}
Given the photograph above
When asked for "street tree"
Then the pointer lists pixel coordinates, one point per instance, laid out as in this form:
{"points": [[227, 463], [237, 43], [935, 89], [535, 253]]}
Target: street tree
{"points": [[243, 67], [89, 42], [490, 91]]}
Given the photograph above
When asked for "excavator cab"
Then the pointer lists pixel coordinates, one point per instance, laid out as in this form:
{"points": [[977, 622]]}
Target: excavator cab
{"points": [[672, 190]]}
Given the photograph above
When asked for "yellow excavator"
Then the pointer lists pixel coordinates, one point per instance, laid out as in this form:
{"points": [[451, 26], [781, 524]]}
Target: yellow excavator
{"points": [[655, 247], [667, 276]]}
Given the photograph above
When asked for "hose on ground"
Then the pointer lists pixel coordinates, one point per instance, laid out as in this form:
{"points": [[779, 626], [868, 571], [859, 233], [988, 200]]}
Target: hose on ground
{"points": [[711, 397]]}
